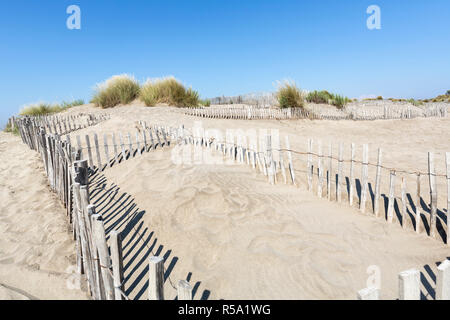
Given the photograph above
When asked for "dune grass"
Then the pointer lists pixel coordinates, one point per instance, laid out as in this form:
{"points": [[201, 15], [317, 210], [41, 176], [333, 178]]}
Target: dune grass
{"points": [[289, 95], [14, 131], [120, 89], [206, 102], [42, 109], [327, 98], [168, 90]]}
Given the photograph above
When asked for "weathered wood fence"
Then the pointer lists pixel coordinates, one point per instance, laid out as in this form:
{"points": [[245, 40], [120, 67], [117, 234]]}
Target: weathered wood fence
{"points": [[266, 154], [409, 285], [314, 113], [68, 175]]}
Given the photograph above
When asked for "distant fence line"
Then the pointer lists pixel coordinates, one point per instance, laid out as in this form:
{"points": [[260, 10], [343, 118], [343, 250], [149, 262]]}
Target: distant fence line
{"points": [[313, 113], [68, 177]]}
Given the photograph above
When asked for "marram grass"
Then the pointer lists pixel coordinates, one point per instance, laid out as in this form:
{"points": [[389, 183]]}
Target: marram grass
{"points": [[42, 109], [120, 89], [170, 91], [289, 96]]}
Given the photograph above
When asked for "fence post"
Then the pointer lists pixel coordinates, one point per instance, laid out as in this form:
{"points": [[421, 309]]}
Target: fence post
{"points": [[390, 213], [443, 281], [117, 263], [291, 167], [433, 194], [99, 235], [156, 278], [364, 177], [409, 285], [340, 165], [376, 205], [352, 177], [404, 209], [320, 170], [418, 204], [184, 290]]}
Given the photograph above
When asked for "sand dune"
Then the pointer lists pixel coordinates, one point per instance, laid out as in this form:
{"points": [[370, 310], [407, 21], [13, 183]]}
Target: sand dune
{"points": [[224, 228]]}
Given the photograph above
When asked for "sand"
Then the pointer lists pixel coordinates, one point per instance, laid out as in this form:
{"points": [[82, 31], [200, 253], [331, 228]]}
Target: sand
{"points": [[234, 236], [37, 254]]}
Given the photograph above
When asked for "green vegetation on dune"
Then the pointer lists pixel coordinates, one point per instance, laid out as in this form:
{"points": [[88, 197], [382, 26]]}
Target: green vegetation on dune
{"points": [[121, 89], [14, 131], [327, 98], [42, 109], [168, 90], [289, 96]]}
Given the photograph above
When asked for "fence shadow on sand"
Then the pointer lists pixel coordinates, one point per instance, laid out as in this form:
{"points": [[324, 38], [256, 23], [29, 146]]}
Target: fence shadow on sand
{"points": [[120, 212]]}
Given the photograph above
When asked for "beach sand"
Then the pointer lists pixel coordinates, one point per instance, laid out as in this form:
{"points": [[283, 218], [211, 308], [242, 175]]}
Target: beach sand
{"points": [[224, 227]]}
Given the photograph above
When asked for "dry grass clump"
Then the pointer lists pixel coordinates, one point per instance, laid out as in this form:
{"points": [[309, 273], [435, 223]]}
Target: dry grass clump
{"points": [[327, 98], [42, 108], [119, 89], [168, 90], [289, 96]]}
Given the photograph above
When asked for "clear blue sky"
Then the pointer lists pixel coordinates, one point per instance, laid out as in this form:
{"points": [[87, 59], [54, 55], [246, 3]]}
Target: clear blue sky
{"points": [[223, 47]]}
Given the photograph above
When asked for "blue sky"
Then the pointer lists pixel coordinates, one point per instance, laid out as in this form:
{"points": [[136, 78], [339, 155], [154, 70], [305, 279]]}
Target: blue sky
{"points": [[224, 47]]}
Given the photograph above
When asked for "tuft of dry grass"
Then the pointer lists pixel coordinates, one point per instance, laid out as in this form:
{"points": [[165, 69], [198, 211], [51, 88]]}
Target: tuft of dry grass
{"points": [[168, 90], [42, 108], [119, 89], [289, 96]]}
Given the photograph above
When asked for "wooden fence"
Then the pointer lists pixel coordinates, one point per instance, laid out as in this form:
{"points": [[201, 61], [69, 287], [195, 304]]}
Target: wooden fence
{"points": [[409, 285], [68, 177], [68, 173], [315, 113], [277, 163]]}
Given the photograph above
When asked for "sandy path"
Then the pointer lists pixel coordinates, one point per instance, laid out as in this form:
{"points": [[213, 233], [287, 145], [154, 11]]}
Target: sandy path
{"points": [[36, 251]]}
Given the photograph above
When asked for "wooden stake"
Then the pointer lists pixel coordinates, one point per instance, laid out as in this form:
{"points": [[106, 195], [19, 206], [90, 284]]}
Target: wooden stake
{"points": [[376, 205], [433, 194], [340, 168], [99, 160], [99, 235], [418, 220], [404, 209], [184, 290], [364, 176], [156, 278], [390, 213], [352, 175], [117, 263]]}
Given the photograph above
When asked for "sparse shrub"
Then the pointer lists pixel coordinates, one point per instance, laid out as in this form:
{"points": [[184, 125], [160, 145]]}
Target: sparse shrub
{"points": [[319, 96], [121, 89], [40, 109], [339, 101], [415, 102], [170, 91], [289, 96], [14, 131], [205, 103], [380, 98]]}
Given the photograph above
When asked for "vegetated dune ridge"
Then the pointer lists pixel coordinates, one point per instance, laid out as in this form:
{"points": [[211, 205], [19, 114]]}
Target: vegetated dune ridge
{"points": [[234, 236], [37, 253]]}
